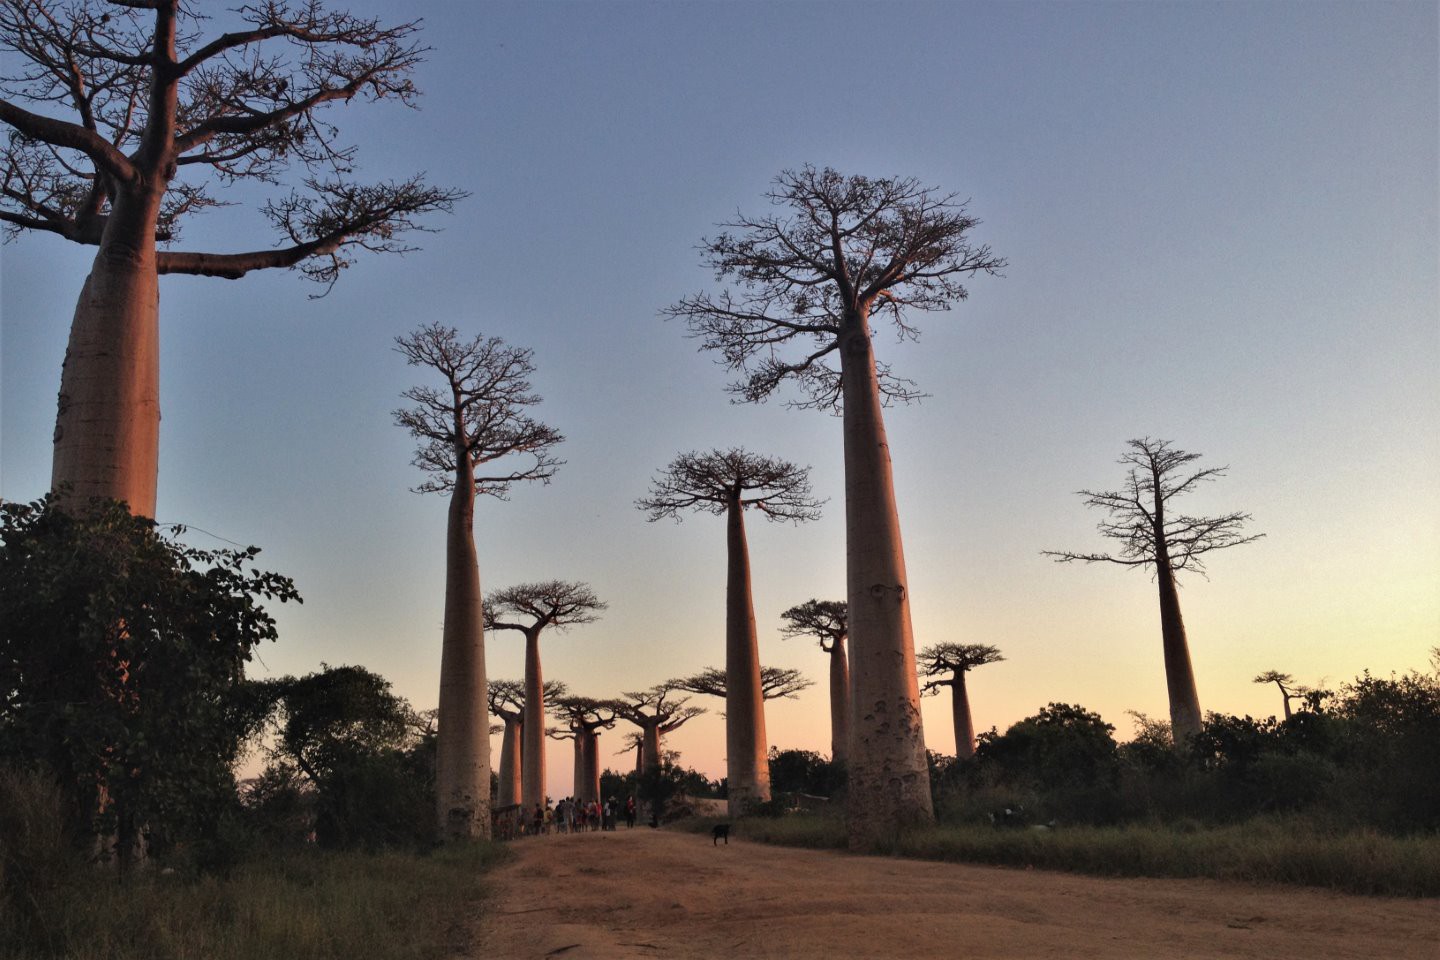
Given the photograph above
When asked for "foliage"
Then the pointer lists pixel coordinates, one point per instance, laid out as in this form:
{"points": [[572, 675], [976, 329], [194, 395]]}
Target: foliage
{"points": [[1062, 745], [122, 655], [805, 772]]}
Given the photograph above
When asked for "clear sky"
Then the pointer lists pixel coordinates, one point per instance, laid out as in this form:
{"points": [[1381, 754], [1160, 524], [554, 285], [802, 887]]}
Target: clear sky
{"points": [[1221, 225]]}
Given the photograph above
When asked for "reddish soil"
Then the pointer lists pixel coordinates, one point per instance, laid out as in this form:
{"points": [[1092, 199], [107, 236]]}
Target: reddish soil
{"points": [[645, 893]]}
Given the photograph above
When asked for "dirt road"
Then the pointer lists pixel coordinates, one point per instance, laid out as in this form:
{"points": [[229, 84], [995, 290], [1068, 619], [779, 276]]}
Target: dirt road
{"points": [[647, 893]]}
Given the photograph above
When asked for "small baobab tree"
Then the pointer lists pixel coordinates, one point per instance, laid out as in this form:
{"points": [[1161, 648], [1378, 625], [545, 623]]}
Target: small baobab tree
{"points": [[531, 609], [584, 718], [656, 712], [634, 740], [140, 107], [775, 683], [1154, 535], [1286, 684], [840, 252], [507, 701], [475, 439], [730, 482], [945, 665], [825, 620]]}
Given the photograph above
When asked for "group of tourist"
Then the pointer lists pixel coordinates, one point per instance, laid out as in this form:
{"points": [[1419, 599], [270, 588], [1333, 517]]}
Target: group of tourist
{"points": [[577, 816]]}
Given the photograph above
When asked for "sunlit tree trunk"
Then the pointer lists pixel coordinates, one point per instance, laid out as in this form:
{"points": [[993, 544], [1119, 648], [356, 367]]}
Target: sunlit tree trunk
{"points": [[107, 424], [462, 760], [960, 710], [510, 785], [839, 703], [532, 753], [747, 765], [889, 779]]}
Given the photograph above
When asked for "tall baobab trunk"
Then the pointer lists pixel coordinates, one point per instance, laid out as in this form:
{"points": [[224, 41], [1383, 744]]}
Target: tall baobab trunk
{"points": [[1185, 718], [462, 758], [747, 764], [107, 425], [639, 758], [510, 783], [960, 710], [839, 703], [888, 773], [577, 791], [592, 765], [650, 746], [532, 753]]}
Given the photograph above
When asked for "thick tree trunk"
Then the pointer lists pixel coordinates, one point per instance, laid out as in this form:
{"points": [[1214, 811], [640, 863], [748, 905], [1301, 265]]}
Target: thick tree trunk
{"points": [[107, 424], [889, 777], [746, 763], [650, 746], [510, 788], [1185, 717], [839, 703], [639, 758], [592, 765], [960, 709], [532, 753], [579, 777], [462, 760]]}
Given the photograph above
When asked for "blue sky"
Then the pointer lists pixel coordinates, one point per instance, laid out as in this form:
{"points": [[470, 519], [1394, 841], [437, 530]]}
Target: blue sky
{"points": [[1221, 227]]}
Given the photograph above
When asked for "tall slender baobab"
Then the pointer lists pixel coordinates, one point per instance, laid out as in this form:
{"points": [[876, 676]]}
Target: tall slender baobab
{"points": [[729, 482], [1286, 684], [825, 620], [585, 717], [656, 713], [531, 609], [507, 701], [811, 277], [137, 105], [1153, 535], [475, 438], [945, 665]]}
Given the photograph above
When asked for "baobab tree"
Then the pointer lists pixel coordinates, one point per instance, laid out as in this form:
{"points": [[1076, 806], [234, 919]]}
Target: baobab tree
{"points": [[141, 106], [730, 482], [1153, 535], [475, 439], [585, 717], [656, 712], [775, 683], [531, 609], [1286, 683], [507, 701], [634, 740], [825, 620], [844, 250], [945, 665]]}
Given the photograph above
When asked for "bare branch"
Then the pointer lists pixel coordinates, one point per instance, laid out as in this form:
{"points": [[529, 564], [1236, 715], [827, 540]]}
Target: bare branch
{"points": [[713, 482]]}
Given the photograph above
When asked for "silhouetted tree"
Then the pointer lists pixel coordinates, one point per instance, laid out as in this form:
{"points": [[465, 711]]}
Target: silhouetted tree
{"points": [[775, 682], [137, 107], [585, 717], [469, 430], [729, 482], [811, 277], [1286, 685], [1153, 535], [956, 660], [825, 620], [656, 712], [531, 609]]}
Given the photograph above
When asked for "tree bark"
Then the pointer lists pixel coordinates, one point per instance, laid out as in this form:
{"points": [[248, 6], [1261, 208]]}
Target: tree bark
{"points": [[107, 423], [592, 765], [510, 784], [746, 762], [650, 746], [462, 760], [1185, 716], [532, 753], [579, 778], [889, 777], [960, 709], [839, 703]]}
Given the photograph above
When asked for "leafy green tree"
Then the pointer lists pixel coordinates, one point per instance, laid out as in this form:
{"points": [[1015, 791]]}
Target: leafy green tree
{"points": [[122, 658], [1062, 745]]}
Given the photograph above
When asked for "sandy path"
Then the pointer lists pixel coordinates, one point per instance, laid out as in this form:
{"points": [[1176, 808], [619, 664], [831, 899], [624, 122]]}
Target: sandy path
{"points": [[647, 893]]}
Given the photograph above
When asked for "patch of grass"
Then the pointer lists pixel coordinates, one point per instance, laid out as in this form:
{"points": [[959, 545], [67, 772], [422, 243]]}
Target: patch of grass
{"points": [[1260, 851], [308, 906]]}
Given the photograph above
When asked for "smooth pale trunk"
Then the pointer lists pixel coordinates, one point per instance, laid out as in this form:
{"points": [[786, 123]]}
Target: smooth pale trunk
{"points": [[1185, 718], [509, 792], [889, 778], [107, 423], [839, 703], [960, 710], [532, 752], [592, 765], [746, 763], [462, 758], [650, 746]]}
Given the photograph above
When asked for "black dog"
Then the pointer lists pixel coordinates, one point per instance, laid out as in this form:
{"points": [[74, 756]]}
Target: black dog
{"points": [[717, 832]]}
